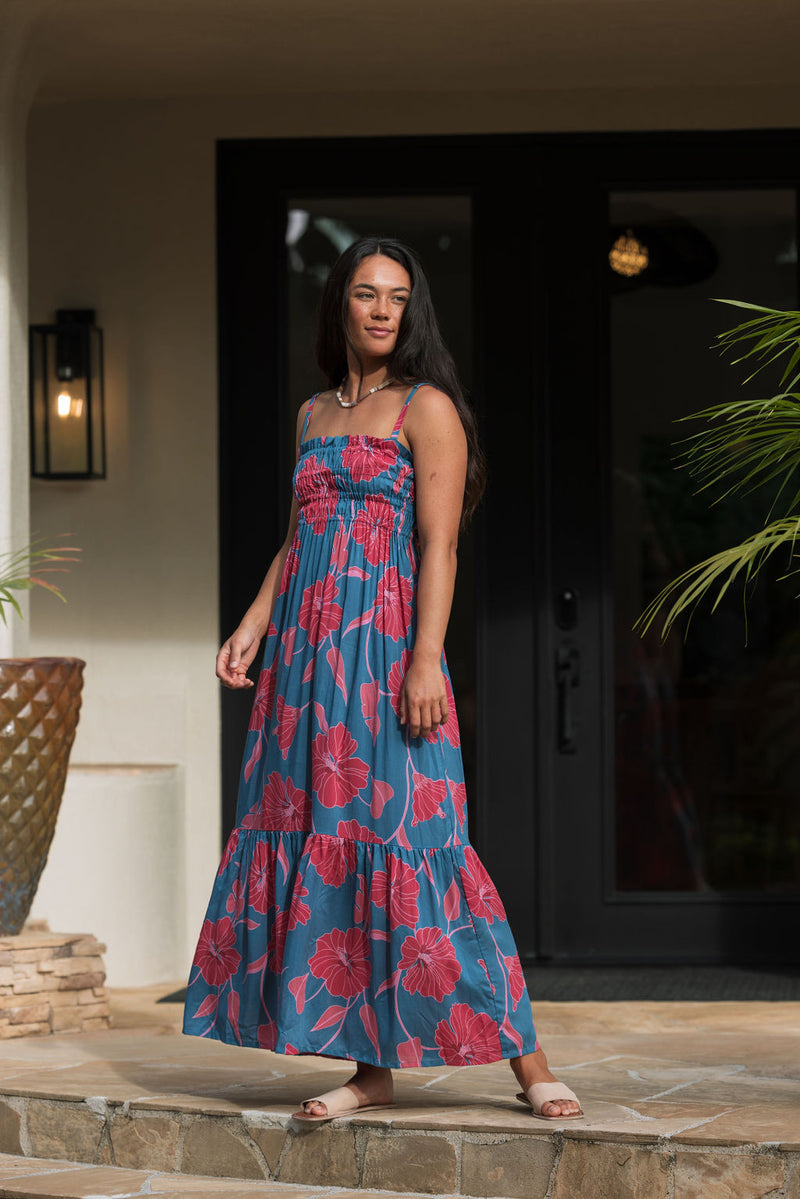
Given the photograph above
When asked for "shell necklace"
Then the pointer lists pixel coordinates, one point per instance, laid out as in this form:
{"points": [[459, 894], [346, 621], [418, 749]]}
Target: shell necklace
{"points": [[352, 403]]}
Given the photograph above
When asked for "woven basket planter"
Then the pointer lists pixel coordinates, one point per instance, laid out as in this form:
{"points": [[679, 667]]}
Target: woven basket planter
{"points": [[40, 700]]}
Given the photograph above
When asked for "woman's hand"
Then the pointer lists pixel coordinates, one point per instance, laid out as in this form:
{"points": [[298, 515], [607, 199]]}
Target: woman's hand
{"points": [[423, 697], [236, 655]]}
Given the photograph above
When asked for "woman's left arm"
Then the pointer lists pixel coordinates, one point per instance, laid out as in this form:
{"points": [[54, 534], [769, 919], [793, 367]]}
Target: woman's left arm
{"points": [[439, 444]]}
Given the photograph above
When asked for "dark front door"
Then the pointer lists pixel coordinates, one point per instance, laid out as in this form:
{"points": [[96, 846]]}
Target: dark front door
{"points": [[673, 819], [602, 795]]}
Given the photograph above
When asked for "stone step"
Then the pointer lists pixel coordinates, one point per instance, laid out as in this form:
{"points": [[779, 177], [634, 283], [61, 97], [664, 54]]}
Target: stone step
{"points": [[684, 1101], [36, 1178]]}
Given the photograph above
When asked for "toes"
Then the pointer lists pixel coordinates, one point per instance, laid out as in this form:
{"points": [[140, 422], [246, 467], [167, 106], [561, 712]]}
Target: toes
{"points": [[560, 1107]]}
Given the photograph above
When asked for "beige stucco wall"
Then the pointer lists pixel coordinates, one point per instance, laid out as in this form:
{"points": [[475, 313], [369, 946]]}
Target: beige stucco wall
{"points": [[121, 214], [19, 75]]}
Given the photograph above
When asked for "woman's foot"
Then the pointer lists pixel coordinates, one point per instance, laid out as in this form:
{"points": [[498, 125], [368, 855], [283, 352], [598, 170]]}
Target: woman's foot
{"points": [[532, 1068], [372, 1086]]}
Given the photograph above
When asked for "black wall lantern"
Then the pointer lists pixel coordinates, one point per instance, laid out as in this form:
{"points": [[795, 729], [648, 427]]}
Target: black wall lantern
{"points": [[67, 404]]}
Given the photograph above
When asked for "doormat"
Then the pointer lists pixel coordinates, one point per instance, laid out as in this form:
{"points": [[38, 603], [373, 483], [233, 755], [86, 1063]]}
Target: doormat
{"points": [[669, 984]]}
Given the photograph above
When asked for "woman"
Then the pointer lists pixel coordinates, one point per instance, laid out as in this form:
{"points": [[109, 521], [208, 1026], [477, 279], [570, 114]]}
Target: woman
{"points": [[350, 916]]}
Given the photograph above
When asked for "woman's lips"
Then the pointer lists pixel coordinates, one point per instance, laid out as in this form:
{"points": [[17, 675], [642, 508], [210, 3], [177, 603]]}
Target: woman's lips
{"points": [[379, 332]]}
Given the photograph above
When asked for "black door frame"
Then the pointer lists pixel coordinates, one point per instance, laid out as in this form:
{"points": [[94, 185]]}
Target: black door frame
{"points": [[524, 836], [591, 921]]}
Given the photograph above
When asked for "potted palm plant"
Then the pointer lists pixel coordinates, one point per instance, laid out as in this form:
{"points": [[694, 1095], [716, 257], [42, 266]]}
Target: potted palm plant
{"points": [[40, 701], [747, 444]]}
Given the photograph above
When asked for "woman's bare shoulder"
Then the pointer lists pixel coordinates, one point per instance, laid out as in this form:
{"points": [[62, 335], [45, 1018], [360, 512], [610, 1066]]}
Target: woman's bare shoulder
{"points": [[320, 397], [432, 412]]}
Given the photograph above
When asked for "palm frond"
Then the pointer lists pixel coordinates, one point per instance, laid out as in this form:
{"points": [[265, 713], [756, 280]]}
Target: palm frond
{"points": [[746, 560], [22, 569], [747, 444]]}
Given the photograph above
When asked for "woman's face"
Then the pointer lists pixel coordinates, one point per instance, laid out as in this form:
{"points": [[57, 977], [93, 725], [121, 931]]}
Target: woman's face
{"points": [[377, 298]]}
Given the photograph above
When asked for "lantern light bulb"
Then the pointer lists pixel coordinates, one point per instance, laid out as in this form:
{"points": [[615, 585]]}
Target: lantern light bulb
{"points": [[68, 405]]}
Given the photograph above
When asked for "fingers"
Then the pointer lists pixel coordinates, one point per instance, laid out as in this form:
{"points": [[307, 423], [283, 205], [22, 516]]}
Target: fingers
{"points": [[423, 715], [232, 663]]}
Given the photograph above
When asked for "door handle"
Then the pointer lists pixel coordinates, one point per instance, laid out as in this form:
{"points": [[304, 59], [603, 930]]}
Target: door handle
{"points": [[567, 679]]}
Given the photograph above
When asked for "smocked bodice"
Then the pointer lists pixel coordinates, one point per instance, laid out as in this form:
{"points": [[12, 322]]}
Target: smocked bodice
{"points": [[358, 477]]}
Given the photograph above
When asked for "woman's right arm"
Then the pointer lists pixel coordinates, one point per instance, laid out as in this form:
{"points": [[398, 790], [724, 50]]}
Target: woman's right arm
{"points": [[238, 652]]}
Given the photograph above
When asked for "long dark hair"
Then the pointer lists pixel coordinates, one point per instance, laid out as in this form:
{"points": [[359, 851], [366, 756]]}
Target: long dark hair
{"points": [[420, 354]]}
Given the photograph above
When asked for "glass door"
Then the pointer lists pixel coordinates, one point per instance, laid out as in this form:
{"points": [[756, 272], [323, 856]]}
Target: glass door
{"points": [[631, 800], [286, 208], [707, 774], [676, 760]]}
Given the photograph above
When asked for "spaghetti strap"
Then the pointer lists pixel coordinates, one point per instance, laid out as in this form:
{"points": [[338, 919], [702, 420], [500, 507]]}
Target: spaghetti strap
{"points": [[399, 422], [308, 416]]}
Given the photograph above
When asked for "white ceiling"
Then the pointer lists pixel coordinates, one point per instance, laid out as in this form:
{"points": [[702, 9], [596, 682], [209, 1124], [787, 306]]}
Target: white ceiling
{"points": [[160, 48]]}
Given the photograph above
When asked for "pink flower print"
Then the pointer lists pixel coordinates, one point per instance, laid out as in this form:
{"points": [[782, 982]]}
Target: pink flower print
{"points": [[341, 960], [282, 807], [366, 459], [396, 676], [318, 614], [261, 878], [265, 694], [410, 1052], [469, 1038], [516, 979], [371, 528], [332, 858], [428, 797], [320, 510], [230, 850], [480, 891], [403, 473], [360, 904], [235, 901], [431, 964], [317, 493], [299, 912], [459, 794], [216, 955], [306, 476], [286, 725], [277, 942], [289, 567], [381, 794], [357, 832], [339, 547], [267, 1035], [337, 775], [396, 890], [450, 727], [370, 697], [393, 604]]}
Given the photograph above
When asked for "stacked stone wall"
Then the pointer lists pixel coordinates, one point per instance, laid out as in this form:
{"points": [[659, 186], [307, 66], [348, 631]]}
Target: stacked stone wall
{"points": [[52, 983]]}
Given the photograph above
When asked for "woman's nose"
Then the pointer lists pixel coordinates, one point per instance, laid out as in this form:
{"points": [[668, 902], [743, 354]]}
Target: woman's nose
{"points": [[379, 309]]}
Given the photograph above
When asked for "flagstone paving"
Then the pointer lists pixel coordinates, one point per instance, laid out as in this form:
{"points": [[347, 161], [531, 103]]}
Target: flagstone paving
{"points": [[681, 1100]]}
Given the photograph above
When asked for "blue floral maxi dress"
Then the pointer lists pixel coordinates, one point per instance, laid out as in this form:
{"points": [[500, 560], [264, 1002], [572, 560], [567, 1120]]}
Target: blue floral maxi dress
{"points": [[350, 916]]}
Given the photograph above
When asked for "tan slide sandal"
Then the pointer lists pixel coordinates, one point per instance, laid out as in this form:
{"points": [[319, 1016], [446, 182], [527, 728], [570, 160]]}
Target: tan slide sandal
{"points": [[340, 1102], [541, 1093]]}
